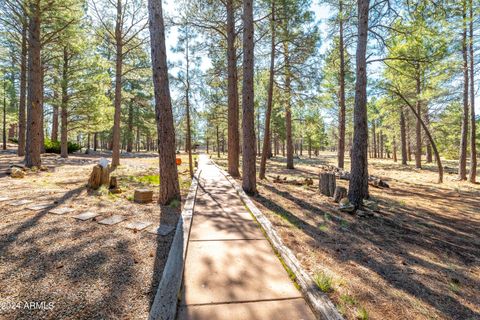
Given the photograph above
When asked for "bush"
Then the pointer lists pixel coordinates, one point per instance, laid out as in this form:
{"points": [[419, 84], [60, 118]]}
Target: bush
{"points": [[54, 146], [323, 281]]}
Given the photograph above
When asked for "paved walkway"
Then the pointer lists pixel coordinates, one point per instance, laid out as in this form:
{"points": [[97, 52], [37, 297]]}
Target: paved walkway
{"points": [[231, 271]]}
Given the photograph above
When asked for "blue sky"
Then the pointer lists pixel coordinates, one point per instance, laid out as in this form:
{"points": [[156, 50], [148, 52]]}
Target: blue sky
{"points": [[322, 12]]}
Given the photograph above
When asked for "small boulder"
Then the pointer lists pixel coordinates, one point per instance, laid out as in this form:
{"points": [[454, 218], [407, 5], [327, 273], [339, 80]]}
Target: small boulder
{"points": [[17, 173], [344, 201], [349, 208]]}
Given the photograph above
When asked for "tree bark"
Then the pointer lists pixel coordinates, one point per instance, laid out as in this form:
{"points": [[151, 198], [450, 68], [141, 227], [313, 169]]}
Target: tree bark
{"points": [[341, 95], [64, 105], [118, 86], [358, 184], [473, 136], [248, 118], [23, 90], [169, 186], [418, 127], [288, 110], [35, 97], [374, 134], [233, 117], [268, 112], [403, 137], [187, 95], [130, 128], [54, 135]]}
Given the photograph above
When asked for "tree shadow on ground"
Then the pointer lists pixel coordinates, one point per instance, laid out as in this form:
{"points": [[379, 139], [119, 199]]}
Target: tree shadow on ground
{"points": [[404, 247]]}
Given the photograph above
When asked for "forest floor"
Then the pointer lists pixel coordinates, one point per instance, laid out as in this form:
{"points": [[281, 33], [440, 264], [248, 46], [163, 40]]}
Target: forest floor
{"points": [[418, 257], [82, 269]]}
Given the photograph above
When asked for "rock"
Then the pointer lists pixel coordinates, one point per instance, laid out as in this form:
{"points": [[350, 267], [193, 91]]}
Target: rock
{"points": [[43, 168], [344, 201], [18, 165], [17, 173], [349, 208], [361, 213], [370, 204]]}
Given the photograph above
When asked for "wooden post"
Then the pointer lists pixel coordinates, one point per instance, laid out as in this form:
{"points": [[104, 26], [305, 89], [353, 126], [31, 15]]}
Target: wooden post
{"points": [[327, 183]]}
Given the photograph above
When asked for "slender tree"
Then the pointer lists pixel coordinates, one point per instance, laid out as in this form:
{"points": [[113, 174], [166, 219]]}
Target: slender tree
{"points": [[248, 119], [358, 185], [462, 165], [169, 186], [473, 134], [268, 113]]}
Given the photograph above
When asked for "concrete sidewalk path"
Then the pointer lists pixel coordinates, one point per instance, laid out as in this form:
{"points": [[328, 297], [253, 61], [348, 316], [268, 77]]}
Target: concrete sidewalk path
{"points": [[231, 271]]}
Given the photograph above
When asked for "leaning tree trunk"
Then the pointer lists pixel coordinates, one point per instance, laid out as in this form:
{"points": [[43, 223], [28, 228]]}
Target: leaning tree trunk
{"points": [[169, 188], [268, 114], [473, 137], [35, 97], [248, 118], [118, 87], [23, 90], [341, 100], [233, 130], [429, 136], [358, 184]]}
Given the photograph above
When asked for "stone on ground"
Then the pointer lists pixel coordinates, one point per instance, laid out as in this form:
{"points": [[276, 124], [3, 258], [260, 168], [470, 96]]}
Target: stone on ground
{"points": [[86, 215], [38, 207], [137, 225], [17, 173], [61, 211], [20, 202], [112, 220]]}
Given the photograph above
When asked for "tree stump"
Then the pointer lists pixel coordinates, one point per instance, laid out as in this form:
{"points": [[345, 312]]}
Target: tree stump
{"points": [[143, 196], [99, 176], [327, 183], [113, 183], [339, 194]]}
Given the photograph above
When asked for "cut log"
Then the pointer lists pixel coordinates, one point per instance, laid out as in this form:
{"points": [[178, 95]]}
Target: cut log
{"points": [[99, 176], [143, 196], [327, 183], [95, 180], [340, 193], [113, 183]]}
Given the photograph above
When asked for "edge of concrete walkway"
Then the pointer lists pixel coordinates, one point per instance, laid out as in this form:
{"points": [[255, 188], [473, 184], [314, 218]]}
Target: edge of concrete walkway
{"points": [[164, 305], [320, 303]]}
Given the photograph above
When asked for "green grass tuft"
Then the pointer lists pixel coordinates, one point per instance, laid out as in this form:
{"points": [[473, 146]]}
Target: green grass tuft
{"points": [[323, 281], [153, 179], [362, 314]]}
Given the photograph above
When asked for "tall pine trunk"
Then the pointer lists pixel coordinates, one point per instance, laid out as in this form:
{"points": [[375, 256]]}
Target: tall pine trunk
{"points": [[268, 114], [188, 141], [341, 95], [358, 184], [23, 91], [418, 127], [288, 109], [473, 137], [233, 130], [403, 137], [118, 86], [35, 96], [54, 133], [169, 186], [248, 110], [462, 165], [64, 106], [130, 128]]}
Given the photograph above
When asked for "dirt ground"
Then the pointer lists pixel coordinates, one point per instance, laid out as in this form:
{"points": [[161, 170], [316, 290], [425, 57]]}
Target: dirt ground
{"points": [[418, 257], [78, 269]]}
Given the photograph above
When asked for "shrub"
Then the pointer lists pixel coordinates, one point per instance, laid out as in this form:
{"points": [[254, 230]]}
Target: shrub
{"points": [[54, 146]]}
